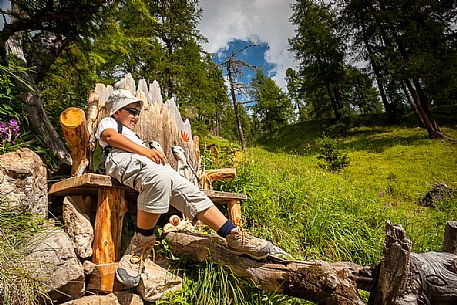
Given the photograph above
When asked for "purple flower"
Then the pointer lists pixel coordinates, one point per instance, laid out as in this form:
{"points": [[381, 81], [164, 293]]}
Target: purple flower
{"points": [[3, 130], [14, 127], [9, 131], [13, 123]]}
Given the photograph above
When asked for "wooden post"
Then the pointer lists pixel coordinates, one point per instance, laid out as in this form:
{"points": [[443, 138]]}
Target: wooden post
{"points": [[450, 237], [74, 127], [111, 209], [234, 211]]}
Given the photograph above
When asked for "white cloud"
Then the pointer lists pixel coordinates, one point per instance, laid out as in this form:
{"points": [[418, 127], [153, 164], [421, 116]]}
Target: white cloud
{"points": [[256, 20]]}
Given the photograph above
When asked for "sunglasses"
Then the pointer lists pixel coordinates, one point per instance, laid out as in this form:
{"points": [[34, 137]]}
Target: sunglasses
{"points": [[133, 111]]}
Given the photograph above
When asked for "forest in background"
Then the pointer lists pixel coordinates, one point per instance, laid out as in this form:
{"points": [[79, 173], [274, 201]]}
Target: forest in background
{"points": [[366, 70], [355, 58]]}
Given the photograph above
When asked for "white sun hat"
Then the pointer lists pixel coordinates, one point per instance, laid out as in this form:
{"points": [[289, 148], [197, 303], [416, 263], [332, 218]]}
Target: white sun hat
{"points": [[120, 98]]}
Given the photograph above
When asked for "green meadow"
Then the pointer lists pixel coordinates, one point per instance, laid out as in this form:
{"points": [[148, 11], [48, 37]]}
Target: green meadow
{"points": [[333, 216], [316, 214]]}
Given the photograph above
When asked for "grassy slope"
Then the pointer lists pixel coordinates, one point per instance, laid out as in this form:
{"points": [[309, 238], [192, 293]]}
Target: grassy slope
{"points": [[315, 214]]}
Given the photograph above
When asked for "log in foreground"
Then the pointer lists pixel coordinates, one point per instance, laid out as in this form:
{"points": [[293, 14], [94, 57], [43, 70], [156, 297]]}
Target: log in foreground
{"points": [[316, 281]]}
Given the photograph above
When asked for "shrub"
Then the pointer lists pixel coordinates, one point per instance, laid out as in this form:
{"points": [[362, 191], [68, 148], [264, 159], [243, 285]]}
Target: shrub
{"points": [[334, 160]]}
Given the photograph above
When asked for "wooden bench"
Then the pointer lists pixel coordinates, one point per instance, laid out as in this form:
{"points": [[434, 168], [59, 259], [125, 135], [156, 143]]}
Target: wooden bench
{"points": [[159, 121]]}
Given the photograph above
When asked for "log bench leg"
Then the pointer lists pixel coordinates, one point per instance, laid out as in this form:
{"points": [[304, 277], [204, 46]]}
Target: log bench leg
{"points": [[111, 208], [234, 211]]}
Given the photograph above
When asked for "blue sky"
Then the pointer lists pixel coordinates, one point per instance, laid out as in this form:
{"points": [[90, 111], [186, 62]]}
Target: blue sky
{"points": [[253, 55], [229, 25]]}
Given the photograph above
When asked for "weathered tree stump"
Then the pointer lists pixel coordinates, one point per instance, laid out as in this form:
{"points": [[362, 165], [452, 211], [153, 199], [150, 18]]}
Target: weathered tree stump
{"points": [[407, 278], [450, 237]]}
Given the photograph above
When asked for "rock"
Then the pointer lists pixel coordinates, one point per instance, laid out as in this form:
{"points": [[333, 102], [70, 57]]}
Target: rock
{"points": [[438, 192], [50, 257], [117, 298], [89, 267], [77, 224], [23, 182], [156, 281]]}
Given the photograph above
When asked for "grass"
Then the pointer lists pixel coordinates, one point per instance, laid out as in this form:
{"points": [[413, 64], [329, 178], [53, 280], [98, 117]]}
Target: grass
{"points": [[18, 287], [318, 215], [341, 216]]}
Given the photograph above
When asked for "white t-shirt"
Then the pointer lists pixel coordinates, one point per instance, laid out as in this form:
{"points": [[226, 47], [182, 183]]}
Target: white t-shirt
{"points": [[110, 123]]}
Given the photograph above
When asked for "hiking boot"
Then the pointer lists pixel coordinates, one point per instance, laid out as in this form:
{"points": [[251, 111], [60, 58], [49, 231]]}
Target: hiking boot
{"points": [[243, 242], [131, 264]]}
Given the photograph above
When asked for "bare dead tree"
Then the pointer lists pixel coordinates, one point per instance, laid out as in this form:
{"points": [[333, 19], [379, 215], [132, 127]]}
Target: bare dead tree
{"points": [[234, 69]]}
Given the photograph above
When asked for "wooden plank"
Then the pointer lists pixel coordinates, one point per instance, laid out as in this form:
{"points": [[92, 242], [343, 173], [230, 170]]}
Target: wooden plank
{"points": [[89, 183], [217, 196], [83, 180]]}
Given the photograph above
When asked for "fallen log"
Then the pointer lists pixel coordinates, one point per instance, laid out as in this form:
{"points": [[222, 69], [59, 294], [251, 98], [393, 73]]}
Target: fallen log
{"points": [[317, 281]]}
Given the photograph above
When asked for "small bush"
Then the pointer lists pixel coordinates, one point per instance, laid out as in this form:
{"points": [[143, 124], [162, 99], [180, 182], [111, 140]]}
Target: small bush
{"points": [[334, 160]]}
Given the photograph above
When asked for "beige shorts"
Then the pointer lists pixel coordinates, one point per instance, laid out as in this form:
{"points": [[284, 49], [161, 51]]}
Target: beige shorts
{"points": [[158, 185]]}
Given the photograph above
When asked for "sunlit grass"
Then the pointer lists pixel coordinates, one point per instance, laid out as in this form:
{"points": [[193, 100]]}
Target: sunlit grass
{"points": [[315, 214], [341, 216]]}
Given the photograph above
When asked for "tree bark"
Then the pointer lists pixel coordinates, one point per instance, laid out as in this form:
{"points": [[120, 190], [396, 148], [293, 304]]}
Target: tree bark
{"points": [[407, 278], [318, 281], [34, 107]]}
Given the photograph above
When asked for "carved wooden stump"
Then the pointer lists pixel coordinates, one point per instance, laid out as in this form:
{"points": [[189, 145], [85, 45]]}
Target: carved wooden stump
{"points": [[74, 127]]}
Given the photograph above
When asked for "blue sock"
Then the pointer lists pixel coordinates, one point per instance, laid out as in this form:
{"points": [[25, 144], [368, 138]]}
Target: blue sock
{"points": [[226, 228], [145, 232]]}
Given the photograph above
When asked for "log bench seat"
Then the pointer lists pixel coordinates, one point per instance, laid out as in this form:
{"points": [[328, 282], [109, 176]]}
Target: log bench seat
{"points": [[91, 184], [111, 208]]}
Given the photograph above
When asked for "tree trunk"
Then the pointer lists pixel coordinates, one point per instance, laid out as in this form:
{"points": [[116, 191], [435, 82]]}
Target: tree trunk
{"points": [[235, 107], [34, 107], [333, 101], [390, 111], [318, 281], [417, 93], [422, 110]]}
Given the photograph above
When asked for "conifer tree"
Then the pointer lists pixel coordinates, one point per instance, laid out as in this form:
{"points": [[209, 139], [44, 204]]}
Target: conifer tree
{"points": [[272, 109]]}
